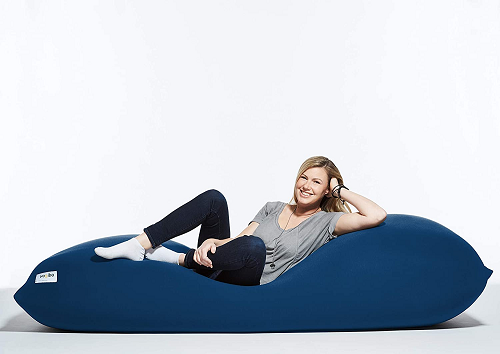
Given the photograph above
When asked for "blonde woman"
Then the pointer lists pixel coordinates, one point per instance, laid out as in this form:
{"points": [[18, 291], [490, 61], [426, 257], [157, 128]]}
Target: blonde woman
{"points": [[280, 236]]}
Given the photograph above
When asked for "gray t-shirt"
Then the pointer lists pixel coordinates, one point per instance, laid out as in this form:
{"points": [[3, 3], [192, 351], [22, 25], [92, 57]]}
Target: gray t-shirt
{"points": [[294, 244]]}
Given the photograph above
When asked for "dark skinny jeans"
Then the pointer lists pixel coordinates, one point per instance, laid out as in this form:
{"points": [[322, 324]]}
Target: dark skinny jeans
{"points": [[239, 261]]}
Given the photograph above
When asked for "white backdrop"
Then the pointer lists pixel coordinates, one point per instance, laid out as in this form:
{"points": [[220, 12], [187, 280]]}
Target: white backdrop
{"points": [[115, 113]]}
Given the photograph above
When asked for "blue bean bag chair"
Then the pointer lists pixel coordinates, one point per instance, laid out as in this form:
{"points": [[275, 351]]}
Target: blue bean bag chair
{"points": [[407, 272]]}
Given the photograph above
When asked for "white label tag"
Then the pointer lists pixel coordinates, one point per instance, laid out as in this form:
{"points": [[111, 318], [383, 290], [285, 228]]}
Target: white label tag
{"points": [[47, 277]]}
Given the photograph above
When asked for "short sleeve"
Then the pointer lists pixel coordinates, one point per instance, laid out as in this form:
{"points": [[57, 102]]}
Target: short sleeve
{"points": [[261, 215], [333, 222]]}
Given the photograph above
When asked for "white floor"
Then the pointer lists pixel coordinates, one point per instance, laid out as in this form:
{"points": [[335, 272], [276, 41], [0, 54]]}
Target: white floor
{"points": [[477, 330]]}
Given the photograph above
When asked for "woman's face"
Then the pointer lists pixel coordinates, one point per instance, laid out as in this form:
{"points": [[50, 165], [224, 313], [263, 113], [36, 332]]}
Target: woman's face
{"points": [[315, 183]]}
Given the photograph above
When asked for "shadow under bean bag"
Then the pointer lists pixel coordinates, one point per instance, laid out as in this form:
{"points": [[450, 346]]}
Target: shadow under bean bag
{"points": [[407, 272]]}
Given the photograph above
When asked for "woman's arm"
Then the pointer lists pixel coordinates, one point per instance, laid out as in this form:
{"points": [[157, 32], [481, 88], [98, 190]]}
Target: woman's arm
{"points": [[364, 205], [200, 254], [249, 230], [369, 213]]}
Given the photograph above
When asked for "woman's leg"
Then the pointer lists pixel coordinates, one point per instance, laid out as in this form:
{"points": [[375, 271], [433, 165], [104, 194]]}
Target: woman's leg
{"points": [[208, 209], [240, 261]]}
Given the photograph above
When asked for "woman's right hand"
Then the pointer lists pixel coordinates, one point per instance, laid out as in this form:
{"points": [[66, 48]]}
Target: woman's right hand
{"points": [[200, 255]]}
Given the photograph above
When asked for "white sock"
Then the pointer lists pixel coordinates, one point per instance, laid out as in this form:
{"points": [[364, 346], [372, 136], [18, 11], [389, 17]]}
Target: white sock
{"points": [[163, 254], [130, 249]]}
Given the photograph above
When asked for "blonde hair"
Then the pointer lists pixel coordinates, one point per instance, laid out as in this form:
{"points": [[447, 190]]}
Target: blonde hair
{"points": [[326, 204]]}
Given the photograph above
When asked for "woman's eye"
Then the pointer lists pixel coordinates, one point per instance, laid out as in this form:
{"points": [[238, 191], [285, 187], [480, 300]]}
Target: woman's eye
{"points": [[304, 177]]}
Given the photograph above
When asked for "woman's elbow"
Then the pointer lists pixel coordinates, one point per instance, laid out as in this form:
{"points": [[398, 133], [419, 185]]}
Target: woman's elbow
{"points": [[381, 217]]}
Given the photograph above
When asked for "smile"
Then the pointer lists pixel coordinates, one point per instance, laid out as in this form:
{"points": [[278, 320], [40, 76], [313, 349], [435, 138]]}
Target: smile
{"points": [[305, 195]]}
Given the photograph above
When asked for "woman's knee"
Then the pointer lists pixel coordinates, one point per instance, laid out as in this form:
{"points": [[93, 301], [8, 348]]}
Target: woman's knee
{"points": [[214, 194], [256, 247], [216, 198]]}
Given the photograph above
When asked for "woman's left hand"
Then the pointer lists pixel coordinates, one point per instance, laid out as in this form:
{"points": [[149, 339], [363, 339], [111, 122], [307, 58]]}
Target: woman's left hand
{"points": [[333, 183], [200, 255]]}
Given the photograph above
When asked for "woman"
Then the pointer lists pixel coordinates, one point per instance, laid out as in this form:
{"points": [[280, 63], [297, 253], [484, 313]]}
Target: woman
{"points": [[279, 237]]}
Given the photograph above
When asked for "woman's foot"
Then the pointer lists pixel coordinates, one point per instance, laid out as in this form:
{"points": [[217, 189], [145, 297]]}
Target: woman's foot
{"points": [[163, 254], [130, 249]]}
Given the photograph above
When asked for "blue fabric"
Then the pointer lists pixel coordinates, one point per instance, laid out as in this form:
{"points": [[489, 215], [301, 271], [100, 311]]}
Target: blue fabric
{"points": [[407, 272]]}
